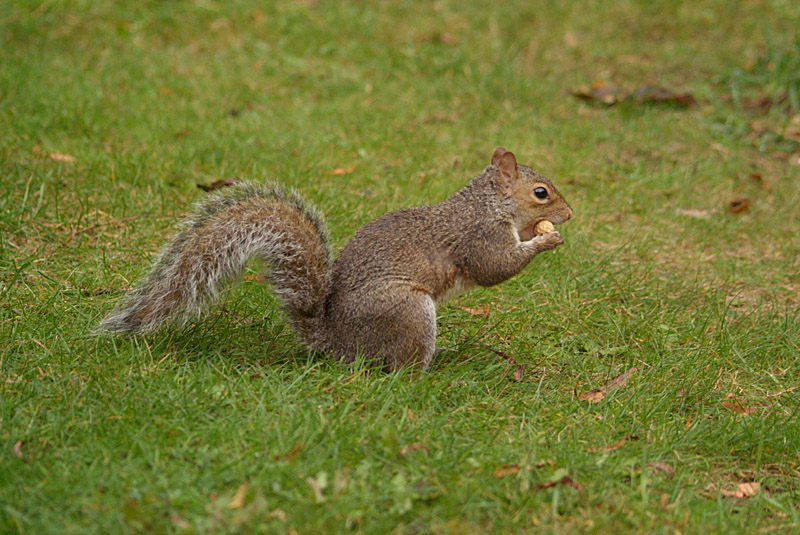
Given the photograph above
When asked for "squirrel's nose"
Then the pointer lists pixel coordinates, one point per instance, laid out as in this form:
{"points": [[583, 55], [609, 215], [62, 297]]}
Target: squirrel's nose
{"points": [[569, 212]]}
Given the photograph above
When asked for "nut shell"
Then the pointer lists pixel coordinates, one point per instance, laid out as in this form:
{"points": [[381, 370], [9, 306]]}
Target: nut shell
{"points": [[543, 227]]}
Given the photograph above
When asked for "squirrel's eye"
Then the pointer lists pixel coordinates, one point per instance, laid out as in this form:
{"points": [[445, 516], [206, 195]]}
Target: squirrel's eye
{"points": [[540, 193]]}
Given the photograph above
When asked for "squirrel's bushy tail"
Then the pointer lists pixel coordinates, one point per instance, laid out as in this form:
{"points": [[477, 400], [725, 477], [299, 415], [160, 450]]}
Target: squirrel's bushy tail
{"points": [[212, 247]]}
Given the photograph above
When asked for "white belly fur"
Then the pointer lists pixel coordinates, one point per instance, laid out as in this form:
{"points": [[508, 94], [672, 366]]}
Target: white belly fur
{"points": [[460, 285]]}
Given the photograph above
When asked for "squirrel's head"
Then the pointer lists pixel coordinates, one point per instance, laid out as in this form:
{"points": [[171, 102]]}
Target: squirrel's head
{"points": [[533, 197]]}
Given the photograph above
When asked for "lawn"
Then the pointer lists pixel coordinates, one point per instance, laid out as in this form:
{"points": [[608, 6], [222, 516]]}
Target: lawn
{"points": [[643, 378]]}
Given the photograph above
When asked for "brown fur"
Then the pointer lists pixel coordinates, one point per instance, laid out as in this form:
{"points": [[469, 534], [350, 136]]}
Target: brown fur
{"points": [[379, 298]]}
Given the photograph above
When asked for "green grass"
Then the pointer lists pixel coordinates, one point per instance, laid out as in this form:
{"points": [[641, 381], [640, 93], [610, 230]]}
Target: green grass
{"points": [[228, 426]]}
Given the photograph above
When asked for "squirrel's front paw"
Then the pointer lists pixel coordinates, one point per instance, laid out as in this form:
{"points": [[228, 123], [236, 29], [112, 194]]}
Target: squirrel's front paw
{"points": [[549, 241]]}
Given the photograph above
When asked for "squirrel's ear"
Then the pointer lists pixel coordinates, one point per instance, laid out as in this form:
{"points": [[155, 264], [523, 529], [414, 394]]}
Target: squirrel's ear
{"points": [[508, 168], [498, 153]]}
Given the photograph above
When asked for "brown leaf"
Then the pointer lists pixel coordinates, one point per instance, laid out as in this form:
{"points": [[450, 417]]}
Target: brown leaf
{"points": [[255, 277], [594, 396], [178, 522], [739, 205], [761, 103], [571, 39], [662, 467], [411, 447], [317, 488], [566, 481], [694, 213], [749, 488], [743, 490], [238, 499], [518, 372], [278, 514], [57, 157], [439, 38], [621, 379], [291, 454], [616, 445], [18, 449], [732, 403], [225, 182], [650, 94], [342, 171], [482, 311], [506, 470], [599, 92], [599, 394]]}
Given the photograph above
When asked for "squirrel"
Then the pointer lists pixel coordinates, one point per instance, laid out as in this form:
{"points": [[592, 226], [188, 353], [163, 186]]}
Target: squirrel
{"points": [[379, 297]]}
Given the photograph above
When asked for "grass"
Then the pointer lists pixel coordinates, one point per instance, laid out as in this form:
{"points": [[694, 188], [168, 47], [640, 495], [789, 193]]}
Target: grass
{"points": [[228, 426]]}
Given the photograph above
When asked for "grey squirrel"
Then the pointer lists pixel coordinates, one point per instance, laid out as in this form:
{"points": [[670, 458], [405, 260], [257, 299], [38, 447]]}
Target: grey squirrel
{"points": [[379, 297]]}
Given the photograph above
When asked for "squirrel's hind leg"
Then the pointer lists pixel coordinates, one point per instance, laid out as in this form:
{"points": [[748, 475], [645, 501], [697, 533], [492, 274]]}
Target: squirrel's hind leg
{"points": [[395, 331], [411, 340]]}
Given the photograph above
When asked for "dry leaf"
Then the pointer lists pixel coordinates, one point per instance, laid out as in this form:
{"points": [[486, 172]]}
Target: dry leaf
{"points": [[178, 522], [739, 205], [694, 213], [566, 481], [615, 446], [732, 403], [518, 372], [411, 447], [482, 311], [594, 396], [439, 38], [571, 39], [57, 157], [749, 488], [599, 394], [603, 93], [758, 178], [662, 467], [761, 103], [18, 448], [650, 94], [342, 171], [506, 470], [743, 490], [621, 379], [599, 92], [317, 488], [291, 454], [238, 499], [225, 182], [255, 277], [278, 514]]}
